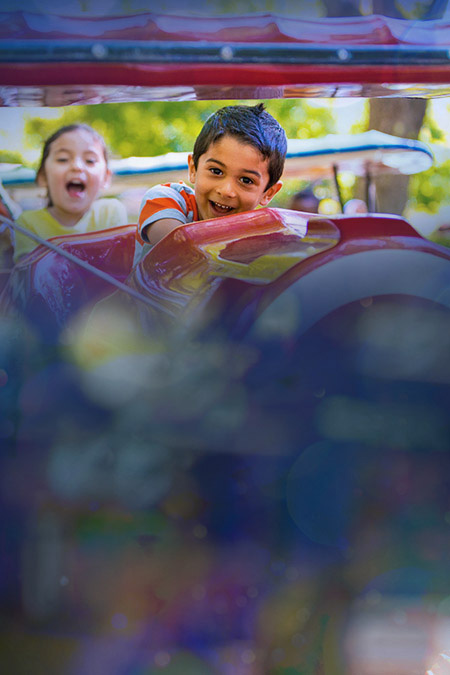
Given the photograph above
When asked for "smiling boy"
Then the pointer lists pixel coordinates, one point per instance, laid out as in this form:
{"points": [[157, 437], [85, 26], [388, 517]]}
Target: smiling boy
{"points": [[236, 165]]}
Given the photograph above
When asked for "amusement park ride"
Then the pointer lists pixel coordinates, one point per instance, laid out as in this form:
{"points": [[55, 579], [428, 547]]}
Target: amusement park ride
{"points": [[279, 378]]}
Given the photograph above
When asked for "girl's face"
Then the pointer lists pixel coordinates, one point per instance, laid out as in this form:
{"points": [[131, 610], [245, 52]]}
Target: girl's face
{"points": [[74, 173]]}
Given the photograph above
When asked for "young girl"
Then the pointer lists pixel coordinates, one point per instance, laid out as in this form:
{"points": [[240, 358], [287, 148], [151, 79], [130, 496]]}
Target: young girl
{"points": [[74, 169]]}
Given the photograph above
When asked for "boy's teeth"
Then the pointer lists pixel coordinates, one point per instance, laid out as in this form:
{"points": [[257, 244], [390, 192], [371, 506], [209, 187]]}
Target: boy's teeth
{"points": [[221, 206]]}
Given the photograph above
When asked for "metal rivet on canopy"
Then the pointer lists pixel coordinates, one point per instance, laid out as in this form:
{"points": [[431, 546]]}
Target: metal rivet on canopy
{"points": [[99, 51], [343, 54], [226, 53]]}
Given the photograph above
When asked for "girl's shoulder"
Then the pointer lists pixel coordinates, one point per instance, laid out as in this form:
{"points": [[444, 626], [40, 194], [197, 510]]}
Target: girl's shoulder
{"points": [[30, 217], [108, 211], [107, 203]]}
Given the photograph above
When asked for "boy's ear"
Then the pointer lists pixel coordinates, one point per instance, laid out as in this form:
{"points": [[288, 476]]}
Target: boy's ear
{"points": [[192, 169], [270, 193]]}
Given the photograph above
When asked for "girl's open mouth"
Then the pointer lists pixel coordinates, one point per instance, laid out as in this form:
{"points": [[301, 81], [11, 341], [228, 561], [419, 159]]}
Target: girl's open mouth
{"points": [[75, 188]]}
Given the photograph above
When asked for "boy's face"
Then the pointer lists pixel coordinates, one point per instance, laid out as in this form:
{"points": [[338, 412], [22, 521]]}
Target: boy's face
{"points": [[231, 177]]}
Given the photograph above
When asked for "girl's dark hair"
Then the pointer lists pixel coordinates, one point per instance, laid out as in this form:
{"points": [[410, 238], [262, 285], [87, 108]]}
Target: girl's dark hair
{"points": [[254, 126], [64, 130]]}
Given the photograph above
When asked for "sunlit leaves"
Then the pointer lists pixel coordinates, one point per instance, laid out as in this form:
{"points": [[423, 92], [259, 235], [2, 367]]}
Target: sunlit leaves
{"points": [[149, 129], [429, 189]]}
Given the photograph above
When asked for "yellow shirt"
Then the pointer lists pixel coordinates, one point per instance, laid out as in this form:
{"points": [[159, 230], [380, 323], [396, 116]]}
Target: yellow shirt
{"points": [[103, 214]]}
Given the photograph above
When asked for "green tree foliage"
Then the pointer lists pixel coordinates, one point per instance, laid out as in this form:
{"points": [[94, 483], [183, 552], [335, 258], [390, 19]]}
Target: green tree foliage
{"points": [[10, 157], [429, 189], [133, 129], [301, 119], [430, 130], [150, 129]]}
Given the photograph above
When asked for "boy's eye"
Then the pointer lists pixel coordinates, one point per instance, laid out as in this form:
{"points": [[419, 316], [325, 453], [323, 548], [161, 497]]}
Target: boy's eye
{"points": [[246, 180], [91, 161], [61, 159], [216, 171]]}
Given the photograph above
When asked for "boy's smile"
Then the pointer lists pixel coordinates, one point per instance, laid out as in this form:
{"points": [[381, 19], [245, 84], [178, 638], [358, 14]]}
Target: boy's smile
{"points": [[231, 177]]}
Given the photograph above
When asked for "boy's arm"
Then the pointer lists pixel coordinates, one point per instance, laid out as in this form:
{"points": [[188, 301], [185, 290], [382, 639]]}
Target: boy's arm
{"points": [[157, 230], [163, 209]]}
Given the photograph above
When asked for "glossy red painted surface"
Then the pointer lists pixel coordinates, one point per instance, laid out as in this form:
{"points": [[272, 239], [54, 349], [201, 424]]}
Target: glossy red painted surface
{"points": [[232, 267], [375, 255], [216, 75], [60, 285], [197, 271], [191, 263]]}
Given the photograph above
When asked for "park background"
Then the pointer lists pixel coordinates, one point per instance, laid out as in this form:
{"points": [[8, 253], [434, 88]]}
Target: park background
{"points": [[150, 129]]}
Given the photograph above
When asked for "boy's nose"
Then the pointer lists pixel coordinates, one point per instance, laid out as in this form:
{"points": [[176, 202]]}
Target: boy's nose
{"points": [[227, 188]]}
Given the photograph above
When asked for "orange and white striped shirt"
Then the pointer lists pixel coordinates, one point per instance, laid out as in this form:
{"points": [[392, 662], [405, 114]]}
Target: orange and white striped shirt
{"points": [[168, 200]]}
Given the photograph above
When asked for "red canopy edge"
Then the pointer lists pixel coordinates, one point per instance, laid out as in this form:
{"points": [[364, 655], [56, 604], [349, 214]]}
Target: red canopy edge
{"points": [[89, 83], [249, 75]]}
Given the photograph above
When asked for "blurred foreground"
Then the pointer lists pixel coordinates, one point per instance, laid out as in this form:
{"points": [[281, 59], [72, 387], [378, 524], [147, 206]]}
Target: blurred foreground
{"points": [[181, 502]]}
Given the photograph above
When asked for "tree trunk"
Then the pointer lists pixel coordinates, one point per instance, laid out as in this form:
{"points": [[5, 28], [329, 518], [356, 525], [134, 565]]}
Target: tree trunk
{"points": [[399, 117]]}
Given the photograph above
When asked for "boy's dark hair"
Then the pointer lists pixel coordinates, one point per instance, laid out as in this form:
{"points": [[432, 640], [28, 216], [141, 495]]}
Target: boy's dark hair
{"points": [[252, 125], [64, 130]]}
